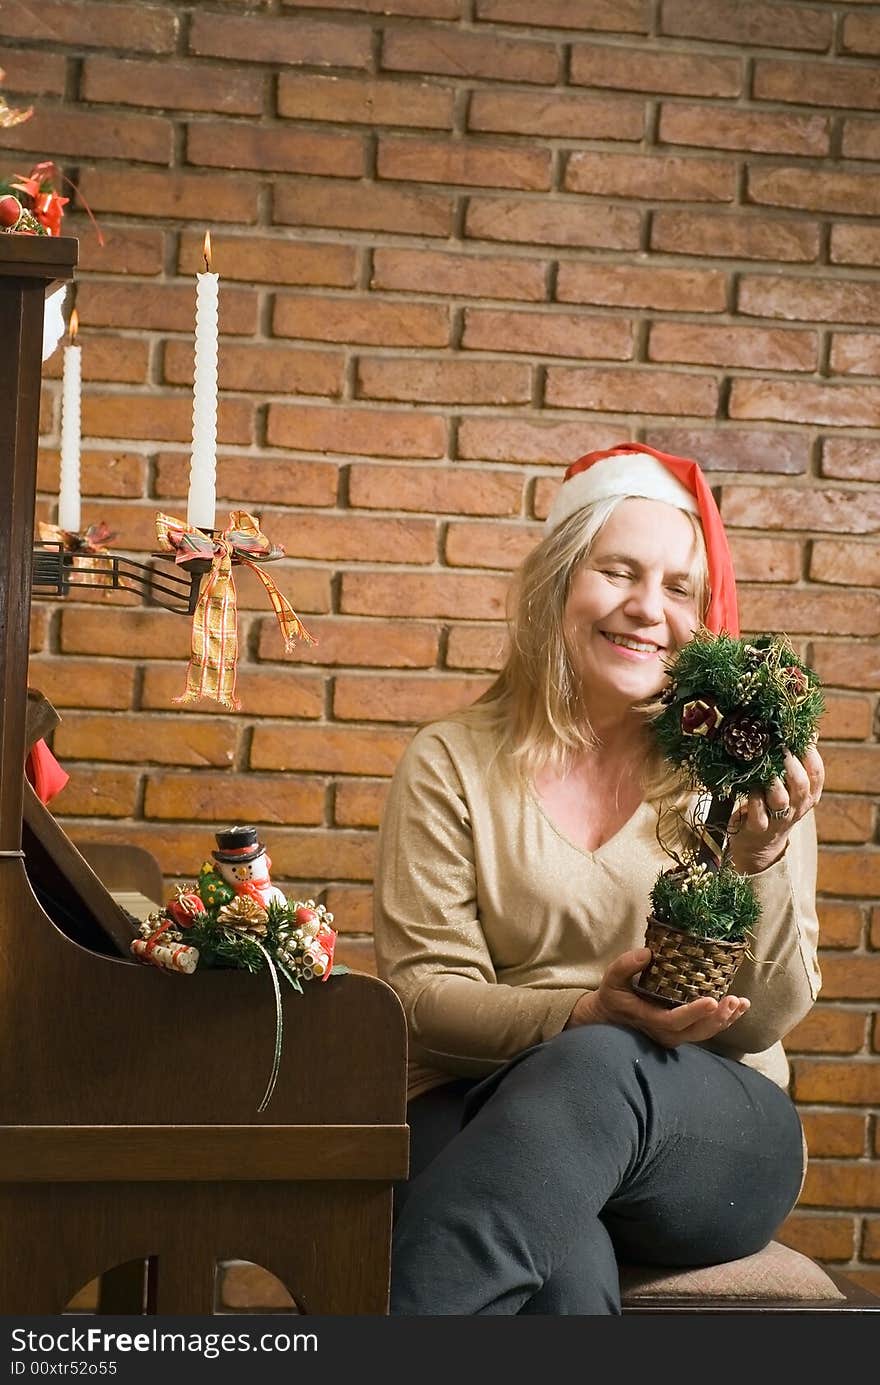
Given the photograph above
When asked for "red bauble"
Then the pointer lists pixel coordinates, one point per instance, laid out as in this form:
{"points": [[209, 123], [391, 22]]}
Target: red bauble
{"points": [[305, 916], [185, 908], [10, 210]]}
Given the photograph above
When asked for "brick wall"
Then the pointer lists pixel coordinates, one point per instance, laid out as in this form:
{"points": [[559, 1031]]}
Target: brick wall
{"points": [[457, 249]]}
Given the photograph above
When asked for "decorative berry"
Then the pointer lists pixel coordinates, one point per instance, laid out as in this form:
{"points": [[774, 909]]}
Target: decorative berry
{"points": [[745, 737]]}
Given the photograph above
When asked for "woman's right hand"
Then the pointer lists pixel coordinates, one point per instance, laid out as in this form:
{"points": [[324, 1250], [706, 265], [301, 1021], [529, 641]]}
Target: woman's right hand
{"points": [[615, 1002]]}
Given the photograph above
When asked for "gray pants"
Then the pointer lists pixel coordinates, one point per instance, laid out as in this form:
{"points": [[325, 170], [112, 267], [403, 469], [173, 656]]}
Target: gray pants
{"points": [[594, 1147]]}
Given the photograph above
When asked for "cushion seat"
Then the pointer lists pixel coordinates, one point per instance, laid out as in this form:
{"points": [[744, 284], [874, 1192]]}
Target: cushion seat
{"points": [[775, 1273]]}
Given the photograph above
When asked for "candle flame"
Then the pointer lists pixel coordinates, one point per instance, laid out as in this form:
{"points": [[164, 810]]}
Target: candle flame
{"points": [[74, 326], [206, 252]]}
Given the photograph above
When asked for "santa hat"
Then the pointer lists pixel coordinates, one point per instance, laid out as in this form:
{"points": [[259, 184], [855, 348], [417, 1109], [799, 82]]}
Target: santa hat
{"points": [[633, 470]]}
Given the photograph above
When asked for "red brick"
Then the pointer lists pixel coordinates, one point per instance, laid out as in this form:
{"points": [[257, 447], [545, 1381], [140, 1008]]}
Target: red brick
{"points": [[751, 347], [790, 401], [855, 353], [548, 333], [263, 693], [822, 1238], [613, 16], [735, 236], [307, 588], [860, 139], [267, 369], [161, 307], [368, 320], [833, 1133], [490, 545], [871, 1242], [364, 101], [359, 802], [476, 646], [718, 127], [875, 942], [851, 459], [651, 177], [243, 1285], [363, 207], [28, 70], [823, 300], [101, 473], [173, 195], [436, 490], [126, 249], [328, 749], [812, 611], [360, 432], [814, 192], [146, 28], [409, 698], [817, 83], [235, 144], [847, 718], [366, 643], [146, 739], [748, 24], [851, 564], [562, 117], [645, 69], [272, 260], [765, 560], [444, 381], [92, 134], [637, 286], [254, 480], [160, 418], [483, 438], [289, 42], [524, 221], [462, 54], [358, 954], [458, 595], [354, 538], [142, 634], [351, 907], [453, 161], [467, 276], [39, 627], [419, 9], [777, 507], [847, 665], [854, 873], [866, 1279], [828, 1031], [854, 244], [841, 819], [173, 85], [235, 797], [613, 391], [82, 682], [740, 450], [860, 34], [853, 769], [98, 793], [840, 925], [846, 1084], [103, 358]]}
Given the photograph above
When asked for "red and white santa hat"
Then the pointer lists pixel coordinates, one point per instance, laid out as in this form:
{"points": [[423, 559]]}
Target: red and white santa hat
{"points": [[632, 470]]}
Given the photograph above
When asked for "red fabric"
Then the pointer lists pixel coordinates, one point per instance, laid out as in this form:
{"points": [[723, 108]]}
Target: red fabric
{"points": [[723, 613], [44, 772]]}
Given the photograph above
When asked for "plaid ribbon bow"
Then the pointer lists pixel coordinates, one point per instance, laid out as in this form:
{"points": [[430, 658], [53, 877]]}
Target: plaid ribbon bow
{"points": [[213, 661]]}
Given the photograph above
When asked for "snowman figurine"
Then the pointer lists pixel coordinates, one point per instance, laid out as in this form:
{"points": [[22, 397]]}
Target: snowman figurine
{"points": [[242, 861]]}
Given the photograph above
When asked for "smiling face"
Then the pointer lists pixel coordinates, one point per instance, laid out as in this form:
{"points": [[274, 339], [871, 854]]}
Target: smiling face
{"points": [[632, 604]]}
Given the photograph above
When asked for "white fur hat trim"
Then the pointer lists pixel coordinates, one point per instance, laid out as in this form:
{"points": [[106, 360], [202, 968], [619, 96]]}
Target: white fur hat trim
{"points": [[632, 474]]}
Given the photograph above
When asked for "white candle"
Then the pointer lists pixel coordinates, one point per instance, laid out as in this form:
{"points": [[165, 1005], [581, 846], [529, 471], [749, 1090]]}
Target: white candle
{"points": [[202, 497], [68, 490]]}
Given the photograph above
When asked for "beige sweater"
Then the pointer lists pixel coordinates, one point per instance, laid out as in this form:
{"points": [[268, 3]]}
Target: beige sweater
{"points": [[489, 923]]}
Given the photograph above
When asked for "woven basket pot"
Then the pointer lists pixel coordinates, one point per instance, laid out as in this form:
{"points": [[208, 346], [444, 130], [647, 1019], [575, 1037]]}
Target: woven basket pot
{"points": [[685, 967]]}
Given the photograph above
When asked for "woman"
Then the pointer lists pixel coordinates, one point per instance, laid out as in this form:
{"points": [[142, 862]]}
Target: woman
{"points": [[559, 1121]]}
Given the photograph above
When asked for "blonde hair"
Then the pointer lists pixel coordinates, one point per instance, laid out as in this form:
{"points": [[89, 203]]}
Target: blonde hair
{"points": [[536, 702]]}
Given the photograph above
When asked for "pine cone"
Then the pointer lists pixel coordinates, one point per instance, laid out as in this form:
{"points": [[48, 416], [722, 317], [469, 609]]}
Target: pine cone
{"points": [[745, 737]]}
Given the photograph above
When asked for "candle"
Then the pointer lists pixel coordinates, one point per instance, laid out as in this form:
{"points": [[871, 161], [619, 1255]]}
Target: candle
{"points": [[68, 491], [202, 497]]}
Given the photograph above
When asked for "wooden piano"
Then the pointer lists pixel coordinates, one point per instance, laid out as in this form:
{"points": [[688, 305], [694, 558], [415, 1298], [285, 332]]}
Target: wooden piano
{"points": [[129, 1095]]}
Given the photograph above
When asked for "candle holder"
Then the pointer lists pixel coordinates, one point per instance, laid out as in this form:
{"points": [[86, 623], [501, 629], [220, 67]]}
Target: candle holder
{"points": [[58, 567]]}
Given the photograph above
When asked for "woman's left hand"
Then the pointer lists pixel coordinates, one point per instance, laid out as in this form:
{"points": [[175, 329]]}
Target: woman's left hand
{"points": [[760, 828]]}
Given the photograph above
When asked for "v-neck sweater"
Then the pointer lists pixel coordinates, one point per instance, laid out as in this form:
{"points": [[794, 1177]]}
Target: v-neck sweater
{"points": [[490, 923]]}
